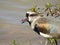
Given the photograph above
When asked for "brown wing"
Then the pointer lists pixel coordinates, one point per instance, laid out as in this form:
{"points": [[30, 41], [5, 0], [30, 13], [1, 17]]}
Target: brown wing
{"points": [[43, 27]]}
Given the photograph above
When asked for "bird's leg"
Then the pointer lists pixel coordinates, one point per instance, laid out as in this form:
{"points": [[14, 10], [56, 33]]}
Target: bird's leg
{"points": [[52, 41], [46, 42], [56, 41]]}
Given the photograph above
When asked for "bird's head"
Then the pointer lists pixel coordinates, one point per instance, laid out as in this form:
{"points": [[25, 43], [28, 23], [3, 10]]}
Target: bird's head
{"points": [[30, 16]]}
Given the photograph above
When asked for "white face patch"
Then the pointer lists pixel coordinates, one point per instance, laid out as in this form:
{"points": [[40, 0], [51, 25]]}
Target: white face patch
{"points": [[31, 12], [30, 19]]}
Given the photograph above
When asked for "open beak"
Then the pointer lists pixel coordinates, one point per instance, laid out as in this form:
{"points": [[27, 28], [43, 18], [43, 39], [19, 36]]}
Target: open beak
{"points": [[24, 20]]}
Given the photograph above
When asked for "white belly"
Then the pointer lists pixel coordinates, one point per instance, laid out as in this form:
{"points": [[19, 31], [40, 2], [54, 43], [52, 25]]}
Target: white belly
{"points": [[45, 35]]}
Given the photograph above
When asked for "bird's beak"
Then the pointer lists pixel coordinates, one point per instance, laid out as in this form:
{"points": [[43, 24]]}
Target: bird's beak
{"points": [[24, 20]]}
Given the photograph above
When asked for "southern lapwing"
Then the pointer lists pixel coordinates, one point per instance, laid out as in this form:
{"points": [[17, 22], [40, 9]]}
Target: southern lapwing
{"points": [[42, 25]]}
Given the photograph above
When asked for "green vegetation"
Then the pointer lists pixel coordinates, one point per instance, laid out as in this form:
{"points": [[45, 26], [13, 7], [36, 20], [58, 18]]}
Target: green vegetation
{"points": [[51, 40], [14, 43], [34, 9]]}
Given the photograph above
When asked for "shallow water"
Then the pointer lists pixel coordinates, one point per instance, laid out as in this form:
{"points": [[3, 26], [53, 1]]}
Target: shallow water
{"points": [[11, 13]]}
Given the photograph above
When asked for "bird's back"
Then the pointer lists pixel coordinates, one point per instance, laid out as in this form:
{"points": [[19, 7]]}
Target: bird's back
{"points": [[49, 26]]}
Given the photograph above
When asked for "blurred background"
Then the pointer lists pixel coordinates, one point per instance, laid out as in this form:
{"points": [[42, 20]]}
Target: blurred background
{"points": [[11, 28]]}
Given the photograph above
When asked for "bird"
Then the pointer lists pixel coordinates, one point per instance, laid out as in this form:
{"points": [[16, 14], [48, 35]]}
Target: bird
{"points": [[46, 27]]}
